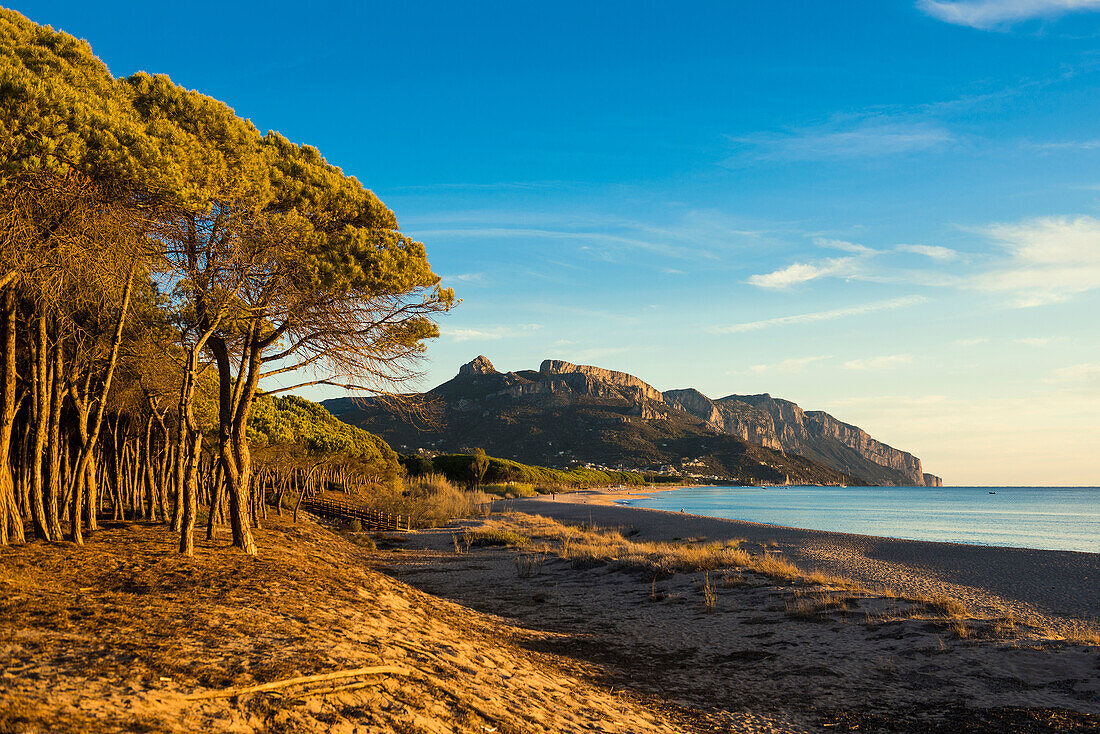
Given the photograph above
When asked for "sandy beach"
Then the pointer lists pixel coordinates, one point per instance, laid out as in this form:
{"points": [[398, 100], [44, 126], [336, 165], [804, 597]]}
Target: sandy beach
{"points": [[765, 655], [1043, 586], [127, 635]]}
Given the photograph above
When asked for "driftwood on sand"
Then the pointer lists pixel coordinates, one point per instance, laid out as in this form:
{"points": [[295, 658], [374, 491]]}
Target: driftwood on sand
{"points": [[303, 679]]}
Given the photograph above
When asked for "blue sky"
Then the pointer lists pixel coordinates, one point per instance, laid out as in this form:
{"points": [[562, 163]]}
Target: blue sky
{"points": [[889, 210]]}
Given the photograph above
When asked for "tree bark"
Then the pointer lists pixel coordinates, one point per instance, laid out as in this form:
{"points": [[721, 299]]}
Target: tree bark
{"points": [[11, 522], [232, 446], [57, 399], [85, 460], [42, 390], [189, 493]]}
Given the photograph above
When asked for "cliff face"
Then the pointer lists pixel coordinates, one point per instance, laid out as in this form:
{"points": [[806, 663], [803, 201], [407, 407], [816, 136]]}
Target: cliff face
{"points": [[783, 425], [631, 385], [565, 414], [737, 419]]}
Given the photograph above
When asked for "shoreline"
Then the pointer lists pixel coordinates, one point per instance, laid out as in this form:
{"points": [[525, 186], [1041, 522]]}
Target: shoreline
{"points": [[1049, 586], [618, 497]]}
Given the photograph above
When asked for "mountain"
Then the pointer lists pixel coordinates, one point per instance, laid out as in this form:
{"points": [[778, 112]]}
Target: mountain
{"points": [[566, 414], [781, 424]]}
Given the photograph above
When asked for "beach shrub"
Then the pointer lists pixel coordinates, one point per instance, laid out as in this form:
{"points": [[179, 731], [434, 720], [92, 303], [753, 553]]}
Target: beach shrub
{"points": [[430, 500], [511, 490], [495, 537], [457, 468]]}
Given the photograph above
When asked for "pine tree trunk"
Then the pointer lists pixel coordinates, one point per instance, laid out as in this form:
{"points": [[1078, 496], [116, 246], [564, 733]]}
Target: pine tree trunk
{"points": [[42, 389], [216, 492], [57, 398], [11, 522], [189, 492], [146, 470]]}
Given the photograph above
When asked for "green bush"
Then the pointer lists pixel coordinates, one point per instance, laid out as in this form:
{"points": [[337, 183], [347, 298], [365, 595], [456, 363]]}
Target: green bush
{"points": [[515, 489], [456, 467]]}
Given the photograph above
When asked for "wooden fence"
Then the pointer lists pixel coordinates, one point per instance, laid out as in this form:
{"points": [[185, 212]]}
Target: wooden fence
{"points": [[345, 510]]}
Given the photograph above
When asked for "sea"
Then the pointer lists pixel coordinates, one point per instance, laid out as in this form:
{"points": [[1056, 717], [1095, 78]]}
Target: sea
{"points": [[1052, 518]]}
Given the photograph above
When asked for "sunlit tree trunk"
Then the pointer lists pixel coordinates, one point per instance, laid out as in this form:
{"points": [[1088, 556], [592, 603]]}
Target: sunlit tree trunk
{"points": [[11, 522], [42, 390], [84, 461], [57, 398]]}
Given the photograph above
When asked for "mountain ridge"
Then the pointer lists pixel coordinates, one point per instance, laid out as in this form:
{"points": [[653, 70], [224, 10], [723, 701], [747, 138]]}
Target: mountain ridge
{"points": [[569, 414]]}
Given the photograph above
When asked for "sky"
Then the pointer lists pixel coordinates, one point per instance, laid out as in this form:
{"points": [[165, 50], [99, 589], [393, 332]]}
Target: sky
{"points": [[885, 209]]}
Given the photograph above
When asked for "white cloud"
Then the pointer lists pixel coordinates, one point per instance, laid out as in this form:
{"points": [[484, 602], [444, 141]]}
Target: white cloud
{"points": [[1077, 375], [490, 333], [845, 245], [801, 273], [987, 14], [879, 363], [852, 247], [807, 318], [472, 278], [1050, 260], [892, 401], [795, 364], [973, 341], [943, 254], [1038, 341], [845, 139]]}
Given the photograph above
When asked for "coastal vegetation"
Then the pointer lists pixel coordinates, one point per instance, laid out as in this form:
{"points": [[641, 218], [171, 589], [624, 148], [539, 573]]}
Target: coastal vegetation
{"points": [[459, 468], [161, 262]]}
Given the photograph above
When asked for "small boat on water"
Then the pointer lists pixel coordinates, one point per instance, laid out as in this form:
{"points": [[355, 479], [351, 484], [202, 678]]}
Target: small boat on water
{"points": [[993, 493]]}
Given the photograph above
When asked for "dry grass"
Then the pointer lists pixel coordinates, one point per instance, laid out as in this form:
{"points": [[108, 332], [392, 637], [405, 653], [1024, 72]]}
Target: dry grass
{"points": [[944, 606], [817, 606], [494, 536], [511, 490], [1083, 632], [529, 564], [710, 598], [611, 546], [606, 545], [814, 596], [431, 501]]}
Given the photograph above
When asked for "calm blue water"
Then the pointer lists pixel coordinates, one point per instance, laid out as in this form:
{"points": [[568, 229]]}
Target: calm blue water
{"points": [[1059, 518]]}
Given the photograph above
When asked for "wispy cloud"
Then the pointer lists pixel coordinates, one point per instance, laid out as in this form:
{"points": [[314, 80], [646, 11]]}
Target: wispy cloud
{"points": [[936, 252], [1038, 341], [844, 139], [1077, 375], [801, 273], [1049, 260], [972, 342], [892, 401], [1070, 145], [852, 247], [879, 363], [471, 278], [990, 14], [786, 366], [659, 248], [807, 318], [491, 333]]}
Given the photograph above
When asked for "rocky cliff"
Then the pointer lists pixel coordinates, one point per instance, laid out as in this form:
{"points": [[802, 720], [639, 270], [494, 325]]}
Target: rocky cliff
{"points": [[565, 414], [737, 419], [818, 435], [629, 384]]}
